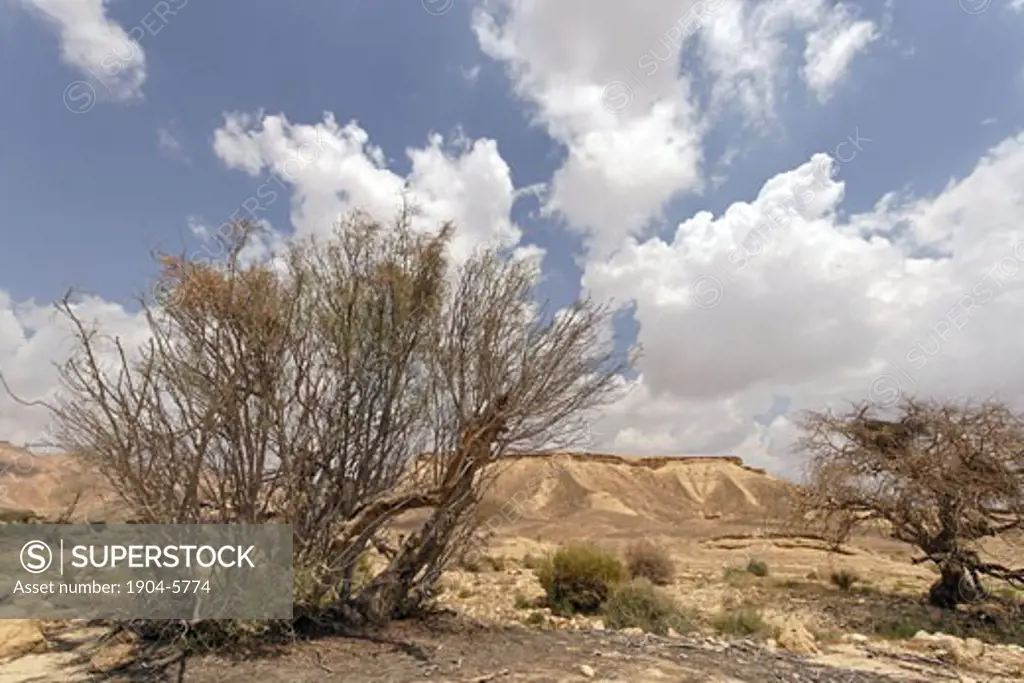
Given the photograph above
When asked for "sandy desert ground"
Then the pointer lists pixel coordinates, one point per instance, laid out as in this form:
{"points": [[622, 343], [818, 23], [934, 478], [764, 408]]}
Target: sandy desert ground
{"points": [[713, 515]]}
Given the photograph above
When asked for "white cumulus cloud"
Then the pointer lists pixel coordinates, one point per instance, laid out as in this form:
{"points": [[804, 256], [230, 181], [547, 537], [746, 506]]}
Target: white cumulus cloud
{"points": [[607, 80], [831, 49], [779, 295], [329, 170], [98, 47]]}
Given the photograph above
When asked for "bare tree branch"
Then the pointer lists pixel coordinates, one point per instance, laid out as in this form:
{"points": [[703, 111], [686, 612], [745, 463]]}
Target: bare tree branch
{"points": [[942, 478]]}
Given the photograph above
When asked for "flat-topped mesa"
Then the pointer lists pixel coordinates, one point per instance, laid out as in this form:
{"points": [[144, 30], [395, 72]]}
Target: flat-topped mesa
{"points": [[652, 462]]}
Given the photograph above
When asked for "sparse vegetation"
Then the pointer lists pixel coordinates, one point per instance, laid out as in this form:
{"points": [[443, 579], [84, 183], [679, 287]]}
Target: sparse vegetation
{"points": [[741, 621], [646, 560], [476, 563], [843, 579], [532, 562], [470, 563], [580, 577], [523, 602], [901, 628], [758, 568], [943, 476], [732, 573], [536, 619], [755, 568], [310, 393], [495, 563], [639, 603]]}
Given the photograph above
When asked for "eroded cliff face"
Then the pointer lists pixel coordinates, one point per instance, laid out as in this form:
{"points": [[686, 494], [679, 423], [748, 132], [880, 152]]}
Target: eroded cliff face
{"points": [[613, 491], [651, 462]]}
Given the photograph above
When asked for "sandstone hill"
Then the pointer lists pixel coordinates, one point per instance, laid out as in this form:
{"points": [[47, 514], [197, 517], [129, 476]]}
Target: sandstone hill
{"points": [[45, 484], [552, 494], [596, 495]]}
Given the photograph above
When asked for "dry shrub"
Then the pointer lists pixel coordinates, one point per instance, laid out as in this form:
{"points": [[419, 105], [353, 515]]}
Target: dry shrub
{"points": [[523, 602], [741, 621], [470, 563], [758, 568], [743, 574], [942, 476], [580, 577], [646, 560], [843, 579], [356, 380], [640, 604], [530, 561], [536, 619], [497, 563], [735, 574]]}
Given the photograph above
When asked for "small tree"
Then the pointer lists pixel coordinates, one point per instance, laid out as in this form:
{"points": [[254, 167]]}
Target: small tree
{"points": [[355, 380], [940, 476]]}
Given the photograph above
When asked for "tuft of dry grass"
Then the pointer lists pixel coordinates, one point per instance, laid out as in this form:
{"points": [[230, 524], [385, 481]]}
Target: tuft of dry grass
{"points": [[523, 602], [646, 560], [640, 604], [742, 621], [530, 561], [843, 579]]}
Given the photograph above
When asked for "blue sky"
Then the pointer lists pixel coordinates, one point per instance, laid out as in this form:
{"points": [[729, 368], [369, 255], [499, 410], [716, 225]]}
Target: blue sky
{"points": [[86, 196]]}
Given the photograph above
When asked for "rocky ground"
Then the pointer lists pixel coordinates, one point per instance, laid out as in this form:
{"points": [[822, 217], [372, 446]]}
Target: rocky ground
{"points": [[488, 630], [879, 629], [453, 648]]}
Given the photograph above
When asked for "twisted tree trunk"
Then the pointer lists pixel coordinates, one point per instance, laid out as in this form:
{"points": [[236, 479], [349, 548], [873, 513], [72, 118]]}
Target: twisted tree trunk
{"points": [[392, 593], [957, 584]]}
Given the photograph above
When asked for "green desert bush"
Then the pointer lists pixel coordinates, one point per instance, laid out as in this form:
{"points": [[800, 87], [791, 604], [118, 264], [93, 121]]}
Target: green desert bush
{"points": [[639, 603], [579, 577], [758, 568], [648, 561], [742, 621]]}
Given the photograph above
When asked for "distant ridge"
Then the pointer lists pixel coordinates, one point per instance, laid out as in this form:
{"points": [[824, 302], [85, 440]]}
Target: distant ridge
{"points": [[653, 462], [554, 492], [561, 493]]}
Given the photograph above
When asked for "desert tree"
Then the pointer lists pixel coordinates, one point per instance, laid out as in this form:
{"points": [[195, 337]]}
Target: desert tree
{"points": [[940, 476], [348, 382]]}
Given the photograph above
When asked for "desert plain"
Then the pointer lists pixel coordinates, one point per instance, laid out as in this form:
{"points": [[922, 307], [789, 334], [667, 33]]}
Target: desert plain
{"points": [[714, 516]]}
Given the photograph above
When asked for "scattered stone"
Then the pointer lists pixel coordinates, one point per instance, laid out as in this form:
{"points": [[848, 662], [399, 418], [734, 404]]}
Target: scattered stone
{"points": [[632, 631], [654, 674], [587, 670], [967, 651], [20, 637], [112, 657], [795, 637]]}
